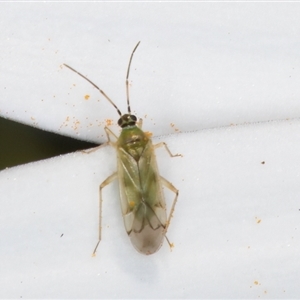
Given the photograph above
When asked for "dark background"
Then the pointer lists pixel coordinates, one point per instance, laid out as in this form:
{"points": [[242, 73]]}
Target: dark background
{"points": [[20, 144]]}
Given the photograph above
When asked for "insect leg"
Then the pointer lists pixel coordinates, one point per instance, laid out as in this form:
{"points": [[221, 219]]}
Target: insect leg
{"points": [[106, 182], [172, 188], [109, 133], [167, 148], [140, 123], [109, 142]]}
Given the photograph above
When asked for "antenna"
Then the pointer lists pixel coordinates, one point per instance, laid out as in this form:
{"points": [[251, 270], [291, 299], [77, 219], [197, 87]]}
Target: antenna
{"points": [[115, 106], [127, 85]]}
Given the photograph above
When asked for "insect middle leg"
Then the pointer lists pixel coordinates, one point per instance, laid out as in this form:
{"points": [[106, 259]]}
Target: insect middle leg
{"points": [[106, 182], [163, 144]]}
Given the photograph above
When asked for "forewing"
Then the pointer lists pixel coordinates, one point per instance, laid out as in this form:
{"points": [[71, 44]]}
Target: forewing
{"points": [[142, 200]]}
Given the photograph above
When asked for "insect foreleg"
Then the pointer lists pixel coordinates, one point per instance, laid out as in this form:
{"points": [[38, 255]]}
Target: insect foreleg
{"points": [[140, 123], [167, 148], [109, 133], [106, 182]]}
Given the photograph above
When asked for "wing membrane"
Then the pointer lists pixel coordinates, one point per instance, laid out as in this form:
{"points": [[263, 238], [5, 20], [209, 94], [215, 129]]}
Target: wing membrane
{"points": [[142, 201]]}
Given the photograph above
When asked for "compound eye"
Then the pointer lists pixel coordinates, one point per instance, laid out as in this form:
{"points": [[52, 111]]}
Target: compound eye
{"points": [[133, 118], [120, 122]]}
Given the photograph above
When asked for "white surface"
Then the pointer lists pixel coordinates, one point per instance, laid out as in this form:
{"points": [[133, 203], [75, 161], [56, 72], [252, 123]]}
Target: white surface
{"points": [[236, 222], [200, 65]]}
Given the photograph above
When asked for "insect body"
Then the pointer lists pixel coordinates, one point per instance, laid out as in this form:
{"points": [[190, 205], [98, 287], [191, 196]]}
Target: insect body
{"points": [[142, 199]]}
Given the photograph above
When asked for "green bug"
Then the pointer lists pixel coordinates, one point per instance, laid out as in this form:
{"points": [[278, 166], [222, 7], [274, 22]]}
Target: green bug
{"points": [[142, 199]]}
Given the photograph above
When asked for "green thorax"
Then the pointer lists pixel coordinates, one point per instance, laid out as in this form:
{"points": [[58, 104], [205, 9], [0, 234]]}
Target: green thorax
{"points": [[133, 141]]}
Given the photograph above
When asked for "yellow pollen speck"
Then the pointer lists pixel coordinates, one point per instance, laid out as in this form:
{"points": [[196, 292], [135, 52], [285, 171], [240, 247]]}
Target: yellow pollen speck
{"points": [[109, 122], [86, 97], [173, 126]]}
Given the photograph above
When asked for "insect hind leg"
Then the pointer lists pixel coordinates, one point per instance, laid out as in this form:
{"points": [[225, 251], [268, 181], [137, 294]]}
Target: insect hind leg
{"points": [[106, 182], [172, 188]]}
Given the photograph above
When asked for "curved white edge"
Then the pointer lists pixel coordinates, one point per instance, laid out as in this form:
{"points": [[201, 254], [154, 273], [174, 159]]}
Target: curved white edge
{"points": [[199, 65], [234, 229]]}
